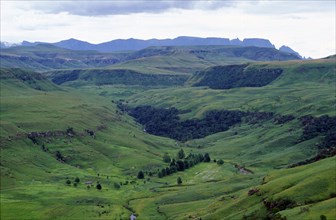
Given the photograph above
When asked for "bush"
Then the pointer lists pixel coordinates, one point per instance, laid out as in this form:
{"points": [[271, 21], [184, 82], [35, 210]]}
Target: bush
{"points": [[179, 180], [116, 185], [68, 182], [166, 158], [323, 217], [180, 154], [141, 175], [77, 180], [220, 162], [207, 157], [99, 187]]}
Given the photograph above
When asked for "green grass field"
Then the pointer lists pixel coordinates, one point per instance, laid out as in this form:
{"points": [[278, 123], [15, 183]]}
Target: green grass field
{"points": [[33, 181]]}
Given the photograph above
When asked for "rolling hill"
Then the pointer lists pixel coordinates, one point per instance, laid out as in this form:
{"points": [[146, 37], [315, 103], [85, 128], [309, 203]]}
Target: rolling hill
{"points": [[75, 140], [179, 59]]}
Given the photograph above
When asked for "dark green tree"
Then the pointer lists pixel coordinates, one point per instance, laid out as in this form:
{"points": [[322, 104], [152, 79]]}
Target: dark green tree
{"points": [[163, 171], [99, 187], [141, 175], [77, 180], [180, 154], [68, 182], [116, 185], [323, 217], [180, 165], [206, 157], [166, 158], [179, 180], [220, 162], [59, 156]]}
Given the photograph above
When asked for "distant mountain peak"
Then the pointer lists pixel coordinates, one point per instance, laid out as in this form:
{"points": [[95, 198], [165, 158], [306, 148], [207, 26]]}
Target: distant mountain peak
{"points": [[138, 44], [287, 49], [259, 42]]}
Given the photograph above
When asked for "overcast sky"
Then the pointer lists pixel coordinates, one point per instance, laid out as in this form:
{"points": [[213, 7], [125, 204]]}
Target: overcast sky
{"points": [[306, 26]]}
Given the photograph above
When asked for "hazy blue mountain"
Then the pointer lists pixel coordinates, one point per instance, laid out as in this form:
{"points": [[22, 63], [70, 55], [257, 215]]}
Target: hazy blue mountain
{"points": [[74, 44], [287, 49], [138, 44], [257, 42]]}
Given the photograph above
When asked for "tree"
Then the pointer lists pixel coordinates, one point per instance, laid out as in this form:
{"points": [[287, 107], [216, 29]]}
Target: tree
{"points": [[220, 162], [179, 180], [59, 156], [141, 175], [99, 187], [163, 171], [77, 180], [116, 185], [166, 158], [323, 217], [206, 157], [68, 182], [179, 165], [180, 154]]}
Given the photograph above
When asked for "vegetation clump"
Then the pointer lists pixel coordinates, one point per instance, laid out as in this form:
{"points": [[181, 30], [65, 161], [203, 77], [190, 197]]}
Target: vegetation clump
{"points": [[141, 175], [315, 126], [220, 162], [99, 186], [233, 76], [179, 180]]}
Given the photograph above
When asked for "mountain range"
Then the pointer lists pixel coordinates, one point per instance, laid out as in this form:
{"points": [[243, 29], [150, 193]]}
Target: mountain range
{"points": [[138, 44]]}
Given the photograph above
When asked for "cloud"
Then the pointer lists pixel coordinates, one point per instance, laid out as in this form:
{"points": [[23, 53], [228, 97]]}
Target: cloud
{"points": [[285, 7], [124, 7]]}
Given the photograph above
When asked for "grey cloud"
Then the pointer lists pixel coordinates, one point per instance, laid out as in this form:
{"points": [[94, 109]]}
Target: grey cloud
{"points": [[102, 8]]}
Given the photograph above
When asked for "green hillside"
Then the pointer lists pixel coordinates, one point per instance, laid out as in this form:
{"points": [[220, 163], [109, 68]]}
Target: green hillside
{"points": [[65, 133], [153, 60], [98, 77], [189, 59]]}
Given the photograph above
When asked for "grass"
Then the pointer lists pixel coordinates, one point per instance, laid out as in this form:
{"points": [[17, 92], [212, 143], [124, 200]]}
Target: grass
{"points": [[33, 182]]}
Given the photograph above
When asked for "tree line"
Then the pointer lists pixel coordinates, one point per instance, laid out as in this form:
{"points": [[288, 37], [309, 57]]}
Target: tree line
{"points": [[181, 163]]}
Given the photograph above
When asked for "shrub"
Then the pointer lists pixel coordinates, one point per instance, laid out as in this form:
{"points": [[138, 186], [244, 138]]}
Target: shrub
{"points": [[220, 162], [141, 175], [116, 185], [179, 180], [180, 154], [99, 187], [323, 217], [206, 157], [166, 158]]}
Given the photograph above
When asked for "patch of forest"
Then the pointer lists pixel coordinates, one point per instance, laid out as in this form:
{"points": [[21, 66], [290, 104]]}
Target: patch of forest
{"points": [[233, 76], [167, 123], [319, 126]]}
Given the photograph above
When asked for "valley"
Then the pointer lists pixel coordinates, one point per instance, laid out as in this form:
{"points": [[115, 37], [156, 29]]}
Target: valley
{"points": [[72, 120]]}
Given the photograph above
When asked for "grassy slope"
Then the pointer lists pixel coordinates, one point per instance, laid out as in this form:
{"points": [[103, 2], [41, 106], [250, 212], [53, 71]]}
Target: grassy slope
{"points": [[33, 181], [189, 59], [305, 87]]}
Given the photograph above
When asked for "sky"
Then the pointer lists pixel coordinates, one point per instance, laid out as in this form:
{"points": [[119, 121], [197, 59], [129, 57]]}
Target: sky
{"points": [[306, 26]]}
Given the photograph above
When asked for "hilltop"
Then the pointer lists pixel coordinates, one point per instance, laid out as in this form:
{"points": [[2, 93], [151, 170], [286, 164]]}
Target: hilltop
{"points": [[157, 60]]}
